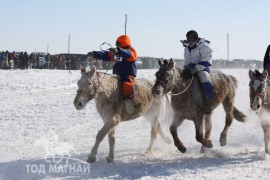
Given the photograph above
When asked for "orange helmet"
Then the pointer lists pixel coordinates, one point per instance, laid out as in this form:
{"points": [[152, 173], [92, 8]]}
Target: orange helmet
{"points": [[123, 41]]}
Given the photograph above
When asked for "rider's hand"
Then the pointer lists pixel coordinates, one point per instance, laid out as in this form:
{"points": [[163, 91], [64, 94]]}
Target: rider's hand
{"points": [[193, 70], [91, 54], [186, 74], [114, 51]]}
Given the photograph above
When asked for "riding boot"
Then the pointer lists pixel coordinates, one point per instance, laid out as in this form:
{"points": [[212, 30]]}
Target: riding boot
{"points": [[129, 105], [208, 97], [128, 94]]}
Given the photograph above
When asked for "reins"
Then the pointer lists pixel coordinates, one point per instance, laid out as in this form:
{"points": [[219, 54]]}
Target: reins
{"points": [[262, 97], [183, 90], [172, 94], [101, 48]]}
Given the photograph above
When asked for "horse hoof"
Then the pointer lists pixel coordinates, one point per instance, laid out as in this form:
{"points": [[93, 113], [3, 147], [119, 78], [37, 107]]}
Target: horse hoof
{"points": [[223, 142], [91, 159], [168, 140], [109, 159], [148, 152], [182, 149], [209, 144]]}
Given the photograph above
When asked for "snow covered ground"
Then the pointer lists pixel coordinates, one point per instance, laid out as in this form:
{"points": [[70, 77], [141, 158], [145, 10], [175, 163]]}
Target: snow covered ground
{"points": [[38, 119]]}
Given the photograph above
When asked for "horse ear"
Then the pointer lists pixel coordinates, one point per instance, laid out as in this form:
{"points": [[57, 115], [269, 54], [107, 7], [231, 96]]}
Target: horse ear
{"points": [[264, 74], [82, 69], [93, 70], [251, 74], [171, 64], [160, 62]]}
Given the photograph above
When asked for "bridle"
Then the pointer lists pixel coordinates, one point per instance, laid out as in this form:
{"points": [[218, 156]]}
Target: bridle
{"points": [[262, 96], [95, 87]]}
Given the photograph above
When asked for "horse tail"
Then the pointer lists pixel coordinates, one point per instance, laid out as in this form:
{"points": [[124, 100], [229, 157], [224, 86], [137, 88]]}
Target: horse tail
{"points": [[234, 81], [238, 115]]}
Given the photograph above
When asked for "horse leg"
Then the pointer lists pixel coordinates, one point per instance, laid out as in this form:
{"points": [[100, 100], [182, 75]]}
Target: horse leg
{"points": [[161, 133], [199, 132], [153, 136], [266, 131], [156, 128], [100, 136], [111, 139], [228, 107], [173, 129], [207, 128]]}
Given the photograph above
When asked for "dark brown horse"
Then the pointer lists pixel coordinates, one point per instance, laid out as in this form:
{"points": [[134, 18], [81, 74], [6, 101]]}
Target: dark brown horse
{"points": [[259, 93], [189, 104]]}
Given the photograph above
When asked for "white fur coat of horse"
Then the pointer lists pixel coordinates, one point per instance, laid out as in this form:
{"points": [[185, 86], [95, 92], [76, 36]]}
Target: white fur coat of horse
{"points": [[260, 101], [106, 91]]}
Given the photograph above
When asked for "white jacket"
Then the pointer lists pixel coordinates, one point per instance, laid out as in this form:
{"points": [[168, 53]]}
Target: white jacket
{"points": [[201, 55]]}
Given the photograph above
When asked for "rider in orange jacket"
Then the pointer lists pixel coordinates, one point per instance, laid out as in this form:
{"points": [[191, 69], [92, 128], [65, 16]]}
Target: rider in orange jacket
{"points": [[124, 57]]}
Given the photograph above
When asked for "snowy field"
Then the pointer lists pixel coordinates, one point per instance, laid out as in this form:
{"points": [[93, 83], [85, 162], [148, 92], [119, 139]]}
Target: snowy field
{"points": [[38, 118]]}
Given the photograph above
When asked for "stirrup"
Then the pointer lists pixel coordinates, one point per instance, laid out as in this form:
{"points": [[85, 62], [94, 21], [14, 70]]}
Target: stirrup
{"points": [[129, 106]]}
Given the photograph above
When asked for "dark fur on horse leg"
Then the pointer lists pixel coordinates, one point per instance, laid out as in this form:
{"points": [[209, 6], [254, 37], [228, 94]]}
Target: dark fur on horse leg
{"points": [[228, 107], [199, 132], [173, 129], [111, 139]]}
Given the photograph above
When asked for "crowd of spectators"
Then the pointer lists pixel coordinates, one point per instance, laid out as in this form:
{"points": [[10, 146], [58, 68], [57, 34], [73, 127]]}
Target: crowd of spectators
{"points": [[23, 60]]}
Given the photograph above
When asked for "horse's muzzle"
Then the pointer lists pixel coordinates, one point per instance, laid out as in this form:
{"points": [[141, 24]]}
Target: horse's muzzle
{"points": [[157, 92], [79, 105], [256, 107]]}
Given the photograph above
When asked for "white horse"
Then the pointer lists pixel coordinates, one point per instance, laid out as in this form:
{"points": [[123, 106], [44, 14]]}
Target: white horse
{"points": [[106, 90], [260, 101]]}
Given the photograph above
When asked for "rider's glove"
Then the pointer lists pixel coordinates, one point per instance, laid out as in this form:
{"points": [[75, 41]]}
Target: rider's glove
{"points": [[193, 70], [91, 54], [114, 51]]}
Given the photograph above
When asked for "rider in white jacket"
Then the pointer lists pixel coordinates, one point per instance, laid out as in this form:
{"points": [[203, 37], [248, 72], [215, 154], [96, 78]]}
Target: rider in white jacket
{"points": [[198, 59]]}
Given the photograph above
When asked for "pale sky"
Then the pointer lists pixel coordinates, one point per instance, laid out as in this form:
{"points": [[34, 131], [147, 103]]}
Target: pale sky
{"points": [[154, 26]]}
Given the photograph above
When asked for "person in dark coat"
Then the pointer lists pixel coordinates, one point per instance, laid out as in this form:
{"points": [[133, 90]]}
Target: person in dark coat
{"points": [[25, 60], [21, 60], [266, 60]]}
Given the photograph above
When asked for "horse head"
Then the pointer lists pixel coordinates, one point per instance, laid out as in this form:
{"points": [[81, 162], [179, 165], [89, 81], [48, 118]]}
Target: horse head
{"points": [[257, 89], [165, 78], [87, 88]]}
